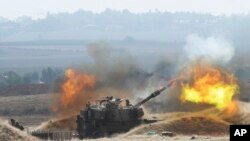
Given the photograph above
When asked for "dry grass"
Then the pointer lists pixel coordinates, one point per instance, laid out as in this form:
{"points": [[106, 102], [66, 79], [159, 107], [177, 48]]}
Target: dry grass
{"points": [[29, 110], [159, 138], [18, 104], [9, 133], [208, 124], [68, 124], [29, 120], [186, 124]]}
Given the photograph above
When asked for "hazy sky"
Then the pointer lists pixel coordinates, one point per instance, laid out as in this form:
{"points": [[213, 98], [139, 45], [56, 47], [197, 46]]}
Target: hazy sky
{"points": [[39, 8]]}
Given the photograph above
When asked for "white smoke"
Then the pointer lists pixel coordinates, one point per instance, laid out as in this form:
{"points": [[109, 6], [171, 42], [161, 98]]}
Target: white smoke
{"points": [[213, 49]]}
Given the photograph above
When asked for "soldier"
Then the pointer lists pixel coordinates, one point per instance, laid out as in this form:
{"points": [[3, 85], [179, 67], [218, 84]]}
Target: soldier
{"points": [[12, 122], [17, 125], [88, 104], [127, 103], [21, 128]]}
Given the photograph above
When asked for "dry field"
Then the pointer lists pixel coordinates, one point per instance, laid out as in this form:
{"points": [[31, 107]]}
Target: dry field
{"points": [[204, 126], [30, 110], [162, 138], [9, 133]]}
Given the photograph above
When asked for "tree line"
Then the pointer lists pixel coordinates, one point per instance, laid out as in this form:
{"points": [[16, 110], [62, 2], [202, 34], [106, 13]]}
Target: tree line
{"points": [[47, 75]]}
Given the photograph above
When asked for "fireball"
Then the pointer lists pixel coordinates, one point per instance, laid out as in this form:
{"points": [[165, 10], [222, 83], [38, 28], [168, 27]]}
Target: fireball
{"points": [[75, 92], [210, 85], [75, 85]]}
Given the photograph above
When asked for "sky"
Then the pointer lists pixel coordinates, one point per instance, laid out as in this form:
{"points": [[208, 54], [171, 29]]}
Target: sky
{"points": [[13, 9]]}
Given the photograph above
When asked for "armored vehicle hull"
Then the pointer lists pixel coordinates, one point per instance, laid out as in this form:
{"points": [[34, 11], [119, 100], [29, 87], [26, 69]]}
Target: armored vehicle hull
{"points": [[103, 128], [108, 117]]}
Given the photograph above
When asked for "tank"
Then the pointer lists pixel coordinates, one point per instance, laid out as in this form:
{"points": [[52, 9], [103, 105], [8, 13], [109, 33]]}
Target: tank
{"points": [[111, 115]]}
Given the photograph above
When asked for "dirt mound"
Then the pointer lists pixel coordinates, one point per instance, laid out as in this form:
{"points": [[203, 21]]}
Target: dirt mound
{"points": [[242, 116], [206, 122], [209, 122], [68, 123], [190, 124], [9, 133]]}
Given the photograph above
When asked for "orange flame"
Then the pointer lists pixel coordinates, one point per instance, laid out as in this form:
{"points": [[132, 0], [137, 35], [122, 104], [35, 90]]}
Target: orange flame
{"points": [[74, 85], [212, 86]]}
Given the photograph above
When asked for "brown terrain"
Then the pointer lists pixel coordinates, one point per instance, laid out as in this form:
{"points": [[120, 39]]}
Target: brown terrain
{"points": [[204, 125], [25, 89]]}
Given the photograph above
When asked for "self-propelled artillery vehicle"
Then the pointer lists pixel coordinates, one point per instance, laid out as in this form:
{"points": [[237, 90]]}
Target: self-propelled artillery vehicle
{"points": [[109, 116]]}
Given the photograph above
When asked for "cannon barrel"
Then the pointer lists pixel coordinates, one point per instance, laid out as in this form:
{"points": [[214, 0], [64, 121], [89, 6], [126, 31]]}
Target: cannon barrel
{"points": [[152, 95]]}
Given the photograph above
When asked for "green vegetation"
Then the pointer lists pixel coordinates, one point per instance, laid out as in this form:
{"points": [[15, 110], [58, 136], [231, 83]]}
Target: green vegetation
{"points": [[48, 76]]}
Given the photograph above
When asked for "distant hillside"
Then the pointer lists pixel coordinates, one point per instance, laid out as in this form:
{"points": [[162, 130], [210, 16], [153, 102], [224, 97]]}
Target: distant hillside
{"points": [[118, 25]]}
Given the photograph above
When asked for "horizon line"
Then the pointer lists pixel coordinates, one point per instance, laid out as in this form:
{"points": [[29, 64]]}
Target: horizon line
{"points": [[45, 15]]}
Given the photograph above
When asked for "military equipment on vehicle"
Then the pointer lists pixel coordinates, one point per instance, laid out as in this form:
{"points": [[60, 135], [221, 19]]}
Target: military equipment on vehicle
{"points": [[108, 116]]}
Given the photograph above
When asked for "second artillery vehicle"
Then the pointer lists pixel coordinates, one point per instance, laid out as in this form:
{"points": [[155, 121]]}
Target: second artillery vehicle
{"points": [[108, 116]]}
